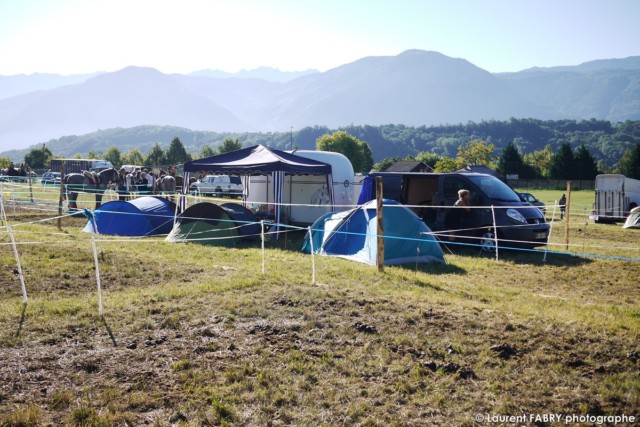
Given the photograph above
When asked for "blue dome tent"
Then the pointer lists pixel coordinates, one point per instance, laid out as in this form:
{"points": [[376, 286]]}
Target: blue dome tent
{"points": [[352, 235], [144, 216]]}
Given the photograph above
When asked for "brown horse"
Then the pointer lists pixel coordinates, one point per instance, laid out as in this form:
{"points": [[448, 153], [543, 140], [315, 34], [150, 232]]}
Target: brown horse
{"points": [[88, 182]]}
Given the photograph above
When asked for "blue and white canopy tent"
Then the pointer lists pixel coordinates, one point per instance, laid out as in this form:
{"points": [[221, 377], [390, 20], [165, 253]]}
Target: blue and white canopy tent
{"points": [[259, 160]]}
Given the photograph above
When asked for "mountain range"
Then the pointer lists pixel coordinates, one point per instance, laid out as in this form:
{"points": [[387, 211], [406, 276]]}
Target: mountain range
{"points": [[413, 88]]}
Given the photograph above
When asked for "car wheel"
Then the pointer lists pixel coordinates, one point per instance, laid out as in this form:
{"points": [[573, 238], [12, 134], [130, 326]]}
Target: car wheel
{"points": [[487, 240]]}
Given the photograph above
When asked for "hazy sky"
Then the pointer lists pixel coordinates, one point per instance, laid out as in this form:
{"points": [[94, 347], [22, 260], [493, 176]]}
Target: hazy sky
{"points": [[81, 36]]}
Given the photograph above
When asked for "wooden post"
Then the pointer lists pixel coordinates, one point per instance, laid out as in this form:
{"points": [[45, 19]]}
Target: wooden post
{"points": [[566, 216], [380, 229], [30, 187], [61, 195]]}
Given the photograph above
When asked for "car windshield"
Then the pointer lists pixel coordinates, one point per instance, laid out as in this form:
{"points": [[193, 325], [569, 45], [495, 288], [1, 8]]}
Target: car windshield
{"points": [[495, 189]]}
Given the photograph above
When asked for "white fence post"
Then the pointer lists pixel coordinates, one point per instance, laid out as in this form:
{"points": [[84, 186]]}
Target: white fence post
{"points": [[495, 229], [553, 217], [313, 260], [3, 213], [262, 237], [19, 267], [95, 259]]}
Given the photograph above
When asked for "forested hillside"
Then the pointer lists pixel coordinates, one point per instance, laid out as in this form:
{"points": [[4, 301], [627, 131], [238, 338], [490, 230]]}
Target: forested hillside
{"points": [[606, 141]]}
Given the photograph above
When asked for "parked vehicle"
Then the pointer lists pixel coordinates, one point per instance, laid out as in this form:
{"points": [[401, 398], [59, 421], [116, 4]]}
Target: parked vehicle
{"points": [[50, 178], [217, 185], [432, 196], [307, 195], [79, 165], [616, 196], [530, 198], [131, 168]]}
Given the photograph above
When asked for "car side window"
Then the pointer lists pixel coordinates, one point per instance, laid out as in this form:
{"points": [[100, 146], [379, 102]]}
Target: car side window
{"points": [[452, 184]]}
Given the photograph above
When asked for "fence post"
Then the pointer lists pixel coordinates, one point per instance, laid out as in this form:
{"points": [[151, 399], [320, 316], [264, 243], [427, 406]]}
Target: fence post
{"points": [[18, 266], [25, 299], [30, 187], [313, 260], [380, 228], [567, 216], [262, 238], [97, 266], [553, 217], [495, 230], [62, 184], [3, 213]]}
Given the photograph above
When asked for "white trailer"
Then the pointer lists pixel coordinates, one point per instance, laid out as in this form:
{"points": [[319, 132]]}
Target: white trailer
{"points": [[616, 195], [306, 197]]}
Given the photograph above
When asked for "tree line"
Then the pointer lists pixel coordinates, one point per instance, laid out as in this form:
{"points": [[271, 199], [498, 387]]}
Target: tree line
{"points": [[530, 148]]}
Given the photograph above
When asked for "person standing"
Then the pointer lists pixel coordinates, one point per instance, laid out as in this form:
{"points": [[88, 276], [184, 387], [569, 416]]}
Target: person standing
{"points": [[151, 182], [563, 205], [456, 218]]}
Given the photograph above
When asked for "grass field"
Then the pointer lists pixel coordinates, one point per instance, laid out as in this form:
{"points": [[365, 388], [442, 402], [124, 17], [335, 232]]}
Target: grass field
{"points": [[196, 335]]}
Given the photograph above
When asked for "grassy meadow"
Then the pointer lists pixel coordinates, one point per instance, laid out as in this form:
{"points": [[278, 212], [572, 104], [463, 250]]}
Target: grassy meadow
{"points": [[196, 335]]}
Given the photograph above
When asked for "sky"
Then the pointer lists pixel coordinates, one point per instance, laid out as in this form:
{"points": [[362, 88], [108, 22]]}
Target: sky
{"points": [[181, 36]]}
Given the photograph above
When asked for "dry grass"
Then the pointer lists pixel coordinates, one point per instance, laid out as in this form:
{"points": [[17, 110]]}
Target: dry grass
{"points": [[204, 338]]}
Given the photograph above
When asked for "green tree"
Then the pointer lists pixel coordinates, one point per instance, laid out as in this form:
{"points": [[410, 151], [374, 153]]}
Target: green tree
{"points": [[476, 153], [114, 156], [358, 152], [94, 154], [228, 145], [584, 164], [133, 157], [176, 153], [155, 156], [511, 161], [428, 158], [206, 151], [561, 166], [38, 158], [629, 164], [5, 162], [447, 164], [540, 161]]}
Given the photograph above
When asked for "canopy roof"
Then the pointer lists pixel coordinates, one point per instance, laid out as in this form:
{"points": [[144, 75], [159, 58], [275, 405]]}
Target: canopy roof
{"points": [[258, 160]]}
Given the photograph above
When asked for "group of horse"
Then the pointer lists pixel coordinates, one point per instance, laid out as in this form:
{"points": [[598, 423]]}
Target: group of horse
{"points": [[97, 183]]}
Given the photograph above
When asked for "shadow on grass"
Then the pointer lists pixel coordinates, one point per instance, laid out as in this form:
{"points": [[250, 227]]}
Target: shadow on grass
{"points": [[293, 240], [434, 268], [517, 255]]}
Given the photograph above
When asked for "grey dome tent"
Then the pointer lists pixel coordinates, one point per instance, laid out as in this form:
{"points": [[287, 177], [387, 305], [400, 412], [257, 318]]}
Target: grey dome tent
{"points": [[211, 224]]}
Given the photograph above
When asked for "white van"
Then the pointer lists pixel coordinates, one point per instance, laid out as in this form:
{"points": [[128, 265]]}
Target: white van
{"points": [[308, 195], [217, 185]]}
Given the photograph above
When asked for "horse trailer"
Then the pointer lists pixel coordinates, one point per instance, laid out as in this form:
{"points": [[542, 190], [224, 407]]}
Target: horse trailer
{"points": [[616, 196], [79, 165]]}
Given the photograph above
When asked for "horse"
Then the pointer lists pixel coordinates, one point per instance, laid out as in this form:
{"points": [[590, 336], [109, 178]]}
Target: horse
{"points": [[88, 182], [166, 184], [171, 183]]}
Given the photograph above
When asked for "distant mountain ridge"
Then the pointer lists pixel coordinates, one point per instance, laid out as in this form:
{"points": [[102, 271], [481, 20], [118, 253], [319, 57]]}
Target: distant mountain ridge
{"points": [[413, 88], [264, 73]]}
